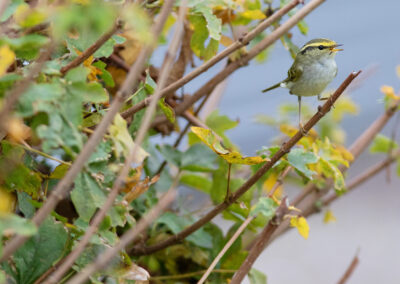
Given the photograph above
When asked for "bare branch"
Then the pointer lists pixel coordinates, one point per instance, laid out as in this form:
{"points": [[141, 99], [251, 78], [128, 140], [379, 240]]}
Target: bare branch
{"points": [[90, 50], [126, 238], [171, 53], [285, 148], [263, 239], [350, 269], [64, 185], [217, 58]]}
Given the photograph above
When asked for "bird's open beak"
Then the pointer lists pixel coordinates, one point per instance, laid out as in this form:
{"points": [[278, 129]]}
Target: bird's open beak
{"points": [[334, 48]]}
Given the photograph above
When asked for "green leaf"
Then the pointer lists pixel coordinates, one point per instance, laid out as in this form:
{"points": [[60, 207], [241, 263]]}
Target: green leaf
{"points": [[303, 27], [138, 20], [200, 34], [90, 92], [39, 97], [7, 81], [265, 206], [40, 252], [211, 49], [167, 110], [59, 172], [27, 46], [257, 277], [330, 170], [382, 144], [299, 159], [25, 204], [78, 74], [105, 75], [198, 158], [150, 85], [24, 179], [16, 225], [177, 223], [220, 124], [87, 196], [214, 24], [12, 6], [198, 182]]}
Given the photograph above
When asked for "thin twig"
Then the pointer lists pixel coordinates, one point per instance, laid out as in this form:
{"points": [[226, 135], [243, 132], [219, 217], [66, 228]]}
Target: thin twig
{"points": [[285, 148], [90, 50], [217, 58], [349, 271], [64, 185], [232, 67], [263, 239], [126, 238], [225, 248], [30, 149], [22, 85], [69, 261]]}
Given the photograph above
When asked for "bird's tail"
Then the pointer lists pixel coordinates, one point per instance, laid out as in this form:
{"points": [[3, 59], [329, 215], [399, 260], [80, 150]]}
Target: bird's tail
{"points": [[272, 87]]}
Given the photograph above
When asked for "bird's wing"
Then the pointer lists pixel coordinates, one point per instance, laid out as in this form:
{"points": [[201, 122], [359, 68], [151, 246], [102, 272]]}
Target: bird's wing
{"points": [[294, 73]]}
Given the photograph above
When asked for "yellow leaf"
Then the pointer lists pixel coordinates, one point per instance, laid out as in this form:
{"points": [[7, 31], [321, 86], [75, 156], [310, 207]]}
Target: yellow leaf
{"points": [[7, 57], [270, 183], [398, 71], [306, 141], [17, 130], [225, 41], [389, 92], [26, 17], [7, 201], [253, 15], [123, 143], [300, 223], [233, 157], [329, 217]]}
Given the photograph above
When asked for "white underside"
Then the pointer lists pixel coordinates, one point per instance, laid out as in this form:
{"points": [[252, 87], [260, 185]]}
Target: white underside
{"points": [[317, 74]]}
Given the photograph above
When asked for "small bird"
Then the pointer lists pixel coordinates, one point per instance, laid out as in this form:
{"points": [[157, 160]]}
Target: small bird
{"points": [[312, 70]]}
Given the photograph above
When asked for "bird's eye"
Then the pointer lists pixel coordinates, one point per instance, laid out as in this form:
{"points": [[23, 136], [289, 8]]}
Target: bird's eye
{"points": [[321, 47]]}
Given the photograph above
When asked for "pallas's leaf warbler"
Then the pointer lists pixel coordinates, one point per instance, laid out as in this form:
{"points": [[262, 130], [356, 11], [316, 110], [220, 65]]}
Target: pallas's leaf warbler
{"points": [[312, 70]]}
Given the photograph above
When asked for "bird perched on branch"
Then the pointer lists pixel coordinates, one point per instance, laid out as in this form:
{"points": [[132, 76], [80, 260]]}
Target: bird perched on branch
{"points": [[312, 70]]}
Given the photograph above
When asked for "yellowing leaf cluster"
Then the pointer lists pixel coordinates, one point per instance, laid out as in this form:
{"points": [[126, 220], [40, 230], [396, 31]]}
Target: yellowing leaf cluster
{"points": [[300, 223], [209, 138], [134, 187]]}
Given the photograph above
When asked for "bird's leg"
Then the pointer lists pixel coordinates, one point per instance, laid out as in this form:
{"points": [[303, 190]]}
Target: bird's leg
{"points": [[300, 124]]}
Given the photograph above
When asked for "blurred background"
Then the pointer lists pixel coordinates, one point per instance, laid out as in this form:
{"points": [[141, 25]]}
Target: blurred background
{"points": [[368, 218]]}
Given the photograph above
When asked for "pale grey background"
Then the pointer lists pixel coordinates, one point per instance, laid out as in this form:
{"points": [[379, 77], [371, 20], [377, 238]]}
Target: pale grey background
{"points": [[367, 218]]}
